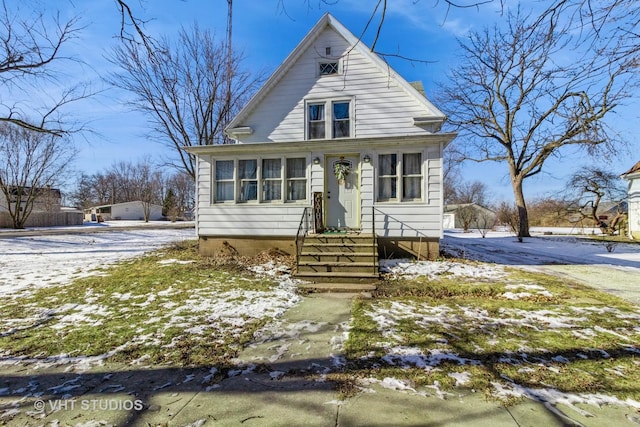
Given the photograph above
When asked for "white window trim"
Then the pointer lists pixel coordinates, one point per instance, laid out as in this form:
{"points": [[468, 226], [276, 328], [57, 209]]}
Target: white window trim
{"points": [[399, 178], [283, 178], [328, 61], [328, 117]]}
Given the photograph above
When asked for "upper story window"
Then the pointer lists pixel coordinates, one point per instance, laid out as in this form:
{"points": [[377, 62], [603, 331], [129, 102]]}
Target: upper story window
{"points": [[341, 120], [328, 68], [316, 125], [329, 119]]}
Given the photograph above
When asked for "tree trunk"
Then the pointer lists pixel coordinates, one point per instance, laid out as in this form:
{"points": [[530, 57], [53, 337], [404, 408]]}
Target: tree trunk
{"points": [[521, 205]]}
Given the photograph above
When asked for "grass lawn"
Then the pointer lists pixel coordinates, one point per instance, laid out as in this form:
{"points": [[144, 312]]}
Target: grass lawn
{"points": [[506, 333], [170, 307], [519, 335]]}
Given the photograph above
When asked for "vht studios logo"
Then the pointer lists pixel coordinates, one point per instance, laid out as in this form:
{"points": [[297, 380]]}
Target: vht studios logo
{"points": [[88, 405]]}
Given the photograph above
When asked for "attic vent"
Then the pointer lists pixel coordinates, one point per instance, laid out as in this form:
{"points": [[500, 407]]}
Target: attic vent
{"points": [[327, 51], [327, 68]]}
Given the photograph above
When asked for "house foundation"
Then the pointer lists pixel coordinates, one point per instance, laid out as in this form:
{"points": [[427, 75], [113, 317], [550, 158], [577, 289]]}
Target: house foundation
{"points": [[407, 247], [245, 246]]}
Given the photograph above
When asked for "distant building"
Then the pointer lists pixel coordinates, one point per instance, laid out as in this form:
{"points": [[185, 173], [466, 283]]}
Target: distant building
{"points": [[469, 216], [131, 211]]}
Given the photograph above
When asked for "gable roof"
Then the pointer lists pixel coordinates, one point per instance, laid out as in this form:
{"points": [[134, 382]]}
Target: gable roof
{"points": [[330, 21], [635, 168]]}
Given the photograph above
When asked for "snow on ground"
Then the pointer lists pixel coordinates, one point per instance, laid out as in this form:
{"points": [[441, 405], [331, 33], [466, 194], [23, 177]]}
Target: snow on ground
{"points": [[502, 247], [31, 262]]}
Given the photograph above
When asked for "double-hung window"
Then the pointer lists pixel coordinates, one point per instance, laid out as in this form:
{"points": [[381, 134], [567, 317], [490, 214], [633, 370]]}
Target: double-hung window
{"points": [[341, 121], [411, 176], [271, 179], [224, 181], [329, 119], [387, 177], [248, 177], [296, 179], [316, 129], [400, 177]]}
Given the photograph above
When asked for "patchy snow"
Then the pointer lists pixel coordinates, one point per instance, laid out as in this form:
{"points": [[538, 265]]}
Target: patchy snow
{"points": [[433, 270], [33, 262]]}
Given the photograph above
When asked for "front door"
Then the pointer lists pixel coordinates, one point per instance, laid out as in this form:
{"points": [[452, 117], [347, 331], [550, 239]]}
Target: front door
{"points": [[342, 192]]}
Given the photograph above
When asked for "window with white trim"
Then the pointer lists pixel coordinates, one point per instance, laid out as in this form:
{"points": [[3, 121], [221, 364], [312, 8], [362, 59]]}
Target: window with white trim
{"points": [[387, 177], [316, 122], [296, 179], [328, 68], [400, 177], [411, 176], [224, 181], [271, 179], [329, 119], [268, 180], [248, 178]]}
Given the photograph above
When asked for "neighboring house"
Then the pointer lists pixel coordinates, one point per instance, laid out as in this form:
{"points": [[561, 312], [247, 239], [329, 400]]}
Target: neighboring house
{"points": [[468, 216], [633, 200], [46, 200], [47, 209], [334, 135], [123, 211]]}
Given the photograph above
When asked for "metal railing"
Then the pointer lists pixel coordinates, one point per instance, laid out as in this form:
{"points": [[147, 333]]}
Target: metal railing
{"points": [[303, 230], [403, 224]]}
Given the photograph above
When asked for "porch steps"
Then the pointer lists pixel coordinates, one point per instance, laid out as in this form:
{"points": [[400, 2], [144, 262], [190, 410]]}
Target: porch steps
{"points": [[337, 260]]}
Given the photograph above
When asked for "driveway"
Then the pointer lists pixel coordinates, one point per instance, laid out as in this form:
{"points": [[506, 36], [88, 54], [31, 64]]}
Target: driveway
{"points": [[614, 268]]}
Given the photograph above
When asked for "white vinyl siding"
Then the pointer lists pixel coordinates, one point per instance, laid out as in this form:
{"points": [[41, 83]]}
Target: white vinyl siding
{"points": [[382, 107]]}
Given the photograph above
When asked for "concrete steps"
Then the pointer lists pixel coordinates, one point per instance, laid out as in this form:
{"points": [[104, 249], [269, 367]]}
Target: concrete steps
{"points": [[349, 258]]}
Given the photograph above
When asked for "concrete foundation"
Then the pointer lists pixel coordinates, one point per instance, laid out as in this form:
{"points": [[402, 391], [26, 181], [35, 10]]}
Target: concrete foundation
{"points": [[388, 247], [245, 246], [403, 247]]}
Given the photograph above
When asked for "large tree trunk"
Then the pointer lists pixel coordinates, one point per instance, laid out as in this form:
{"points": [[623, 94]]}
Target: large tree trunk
{"points": [[521, 205]]}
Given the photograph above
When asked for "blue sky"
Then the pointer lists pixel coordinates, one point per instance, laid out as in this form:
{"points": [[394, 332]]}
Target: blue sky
{"points": [[266, 33]]}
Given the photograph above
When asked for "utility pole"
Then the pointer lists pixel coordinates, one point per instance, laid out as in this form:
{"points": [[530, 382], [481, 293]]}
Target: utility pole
{"points": [[227, 105]]}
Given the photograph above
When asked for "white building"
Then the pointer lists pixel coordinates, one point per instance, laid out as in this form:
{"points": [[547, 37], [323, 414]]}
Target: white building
{"points": [[633, 176], [124, 211], [336, 135]]}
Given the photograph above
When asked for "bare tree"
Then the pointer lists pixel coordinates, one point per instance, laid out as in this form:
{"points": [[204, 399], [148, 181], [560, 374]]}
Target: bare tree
{"points": [[32, 163], [29, 49], [527, 90], [590, 187], [182, 87]]}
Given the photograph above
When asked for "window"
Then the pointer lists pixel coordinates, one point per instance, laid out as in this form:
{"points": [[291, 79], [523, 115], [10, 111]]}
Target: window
{"points": [[271, 179], [224, 180], [316, 121], [387, 177], [328, 68], [408, 175], [341, 123], [411, 176], [329, 119], [247, 175], [296, 179]]}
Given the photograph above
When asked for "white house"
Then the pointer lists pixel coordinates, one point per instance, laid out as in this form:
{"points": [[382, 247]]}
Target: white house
{"points": [[124, 211], [336, 135], [633, 199]]}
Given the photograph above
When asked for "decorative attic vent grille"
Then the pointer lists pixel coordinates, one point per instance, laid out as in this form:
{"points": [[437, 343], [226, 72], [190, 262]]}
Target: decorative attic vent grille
{"points": [[327, 68]]}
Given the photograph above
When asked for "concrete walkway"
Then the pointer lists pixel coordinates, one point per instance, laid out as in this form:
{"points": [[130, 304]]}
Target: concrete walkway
{"points": [[280, 379]]}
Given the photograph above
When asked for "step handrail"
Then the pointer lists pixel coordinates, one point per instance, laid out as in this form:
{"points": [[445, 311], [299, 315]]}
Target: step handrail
{"points": [[404, 224], [303, 230]]}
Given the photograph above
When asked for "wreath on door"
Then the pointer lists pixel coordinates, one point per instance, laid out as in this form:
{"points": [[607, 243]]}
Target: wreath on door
{"points": [[341, 170]]}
